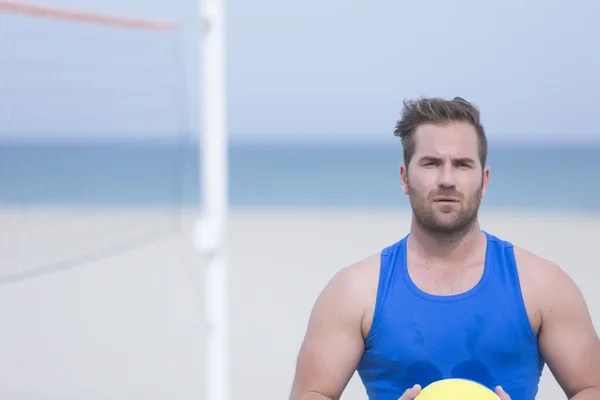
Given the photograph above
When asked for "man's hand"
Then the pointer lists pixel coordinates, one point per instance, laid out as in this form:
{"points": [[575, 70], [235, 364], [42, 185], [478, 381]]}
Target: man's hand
{"points": [[501, 393], [410, 394]]}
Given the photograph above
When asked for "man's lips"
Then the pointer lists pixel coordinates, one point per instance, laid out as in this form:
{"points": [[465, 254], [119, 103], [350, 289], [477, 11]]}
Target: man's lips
{"points": [[446, 200]]}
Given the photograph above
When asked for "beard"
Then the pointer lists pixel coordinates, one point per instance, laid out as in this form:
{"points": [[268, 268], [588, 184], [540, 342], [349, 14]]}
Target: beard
{"points": [[445, 220]]}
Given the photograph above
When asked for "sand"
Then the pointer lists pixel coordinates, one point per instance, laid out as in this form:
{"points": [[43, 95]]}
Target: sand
{"points": [[126, 322]]}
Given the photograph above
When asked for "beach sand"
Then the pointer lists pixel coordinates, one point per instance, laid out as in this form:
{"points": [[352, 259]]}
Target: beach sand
{"points": [[126, 321]]}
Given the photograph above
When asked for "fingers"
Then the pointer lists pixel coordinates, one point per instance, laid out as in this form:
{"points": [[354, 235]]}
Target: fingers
{"points": [[411, 393], [501, 393]]}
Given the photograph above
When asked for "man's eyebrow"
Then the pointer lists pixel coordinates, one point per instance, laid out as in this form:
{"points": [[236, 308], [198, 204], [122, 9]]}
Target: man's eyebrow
{"points": [[466, 160], [429, 158]]}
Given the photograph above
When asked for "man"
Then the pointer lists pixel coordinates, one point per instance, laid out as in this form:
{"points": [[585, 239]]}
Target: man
{"points": [[448, 300]]}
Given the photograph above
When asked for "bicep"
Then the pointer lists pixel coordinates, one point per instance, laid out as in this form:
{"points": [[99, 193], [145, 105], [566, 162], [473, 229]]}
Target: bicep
{"points": [[333, 343], [568, 340]]}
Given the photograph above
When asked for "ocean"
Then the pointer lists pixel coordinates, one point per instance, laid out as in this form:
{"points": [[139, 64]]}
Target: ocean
{"points": [[278, 176]]}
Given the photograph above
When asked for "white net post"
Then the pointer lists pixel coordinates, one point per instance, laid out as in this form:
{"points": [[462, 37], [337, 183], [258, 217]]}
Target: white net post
{"points": [[211, 226]]}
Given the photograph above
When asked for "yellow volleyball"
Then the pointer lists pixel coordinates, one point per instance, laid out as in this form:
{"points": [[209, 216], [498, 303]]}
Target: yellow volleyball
{"points": [[456, 389]]}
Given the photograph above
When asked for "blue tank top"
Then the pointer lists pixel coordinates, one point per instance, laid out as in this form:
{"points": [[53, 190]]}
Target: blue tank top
{"points": [[482, 334]]}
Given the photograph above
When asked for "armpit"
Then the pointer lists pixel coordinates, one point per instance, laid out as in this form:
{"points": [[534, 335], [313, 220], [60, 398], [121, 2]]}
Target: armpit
{"points": [[534, 275]]}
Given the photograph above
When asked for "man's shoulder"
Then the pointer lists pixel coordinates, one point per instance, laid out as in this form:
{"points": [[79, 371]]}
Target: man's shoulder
{"points": [[533, 266], [530, 264], [360, 273], [543, 279], [355, 283]]}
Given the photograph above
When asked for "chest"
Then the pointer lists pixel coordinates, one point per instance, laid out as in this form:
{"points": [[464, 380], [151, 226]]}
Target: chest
{"points": [[446, 281], [456, 281], [476, 339], [450, 283]]}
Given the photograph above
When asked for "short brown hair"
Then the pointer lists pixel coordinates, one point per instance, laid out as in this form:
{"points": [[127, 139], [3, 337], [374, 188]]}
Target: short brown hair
{"points": [[435, 110]]}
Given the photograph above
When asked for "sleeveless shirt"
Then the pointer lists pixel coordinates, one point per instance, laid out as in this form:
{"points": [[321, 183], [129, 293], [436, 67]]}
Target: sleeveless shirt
{"points": [[483, 334]]}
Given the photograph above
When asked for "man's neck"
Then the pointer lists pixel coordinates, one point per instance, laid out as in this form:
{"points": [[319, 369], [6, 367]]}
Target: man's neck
{"points": [[450, 248]]}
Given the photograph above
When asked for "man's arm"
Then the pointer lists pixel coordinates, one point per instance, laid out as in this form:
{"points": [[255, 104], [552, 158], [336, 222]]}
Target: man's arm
{"points": [[334, 343], [568, 340]]}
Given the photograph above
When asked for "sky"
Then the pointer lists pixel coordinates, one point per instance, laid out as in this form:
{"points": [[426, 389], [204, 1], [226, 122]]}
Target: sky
{"points": [[311, 71]]}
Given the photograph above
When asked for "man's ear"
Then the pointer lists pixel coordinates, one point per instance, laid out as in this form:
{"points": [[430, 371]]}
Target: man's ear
{"points": [[404, 177], [486, 180]]}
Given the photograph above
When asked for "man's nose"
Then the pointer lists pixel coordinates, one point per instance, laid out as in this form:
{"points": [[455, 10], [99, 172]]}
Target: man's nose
{"points": [[447, 177]]}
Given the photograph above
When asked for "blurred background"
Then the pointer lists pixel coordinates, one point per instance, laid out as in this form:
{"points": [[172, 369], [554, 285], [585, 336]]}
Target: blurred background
{"points": [[101, 287]]}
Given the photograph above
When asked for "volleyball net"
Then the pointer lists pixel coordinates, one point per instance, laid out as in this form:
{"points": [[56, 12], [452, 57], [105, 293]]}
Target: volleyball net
{"points": [[93, 116]]}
